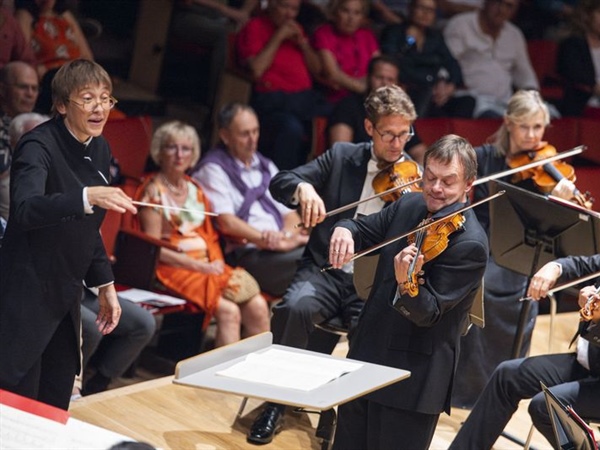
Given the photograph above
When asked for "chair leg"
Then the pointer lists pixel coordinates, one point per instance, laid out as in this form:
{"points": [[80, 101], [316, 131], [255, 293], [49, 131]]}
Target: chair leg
{"points": [[241, 409]]}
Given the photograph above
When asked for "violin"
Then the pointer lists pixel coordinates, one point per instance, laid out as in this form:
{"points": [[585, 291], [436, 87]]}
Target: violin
{"points": [[431, 242], [587, 312], [397, 175], [546, 176]]}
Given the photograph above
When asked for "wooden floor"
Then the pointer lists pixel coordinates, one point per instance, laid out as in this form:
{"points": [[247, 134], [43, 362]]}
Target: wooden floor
{"points": [[178, 417]]}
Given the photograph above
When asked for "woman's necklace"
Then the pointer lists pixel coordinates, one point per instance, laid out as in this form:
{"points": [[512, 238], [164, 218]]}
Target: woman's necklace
{"points": [[174, 189]]}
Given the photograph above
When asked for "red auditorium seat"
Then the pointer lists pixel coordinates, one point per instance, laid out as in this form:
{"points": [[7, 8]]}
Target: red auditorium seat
{"points": [[476, 131], [563, 133], [589, 134], [129, 139], [542, 54], [430, 129]]}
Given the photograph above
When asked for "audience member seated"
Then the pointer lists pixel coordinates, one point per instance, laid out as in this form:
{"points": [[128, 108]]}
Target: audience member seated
{"points": [[347, 121], [198, 273], [13, 46], [261, 234], [578, 61], [345, 48], [18, 93], [56, 38], [208, 23], [492, 54], [110, 356], [429, 72], [275, 49]]}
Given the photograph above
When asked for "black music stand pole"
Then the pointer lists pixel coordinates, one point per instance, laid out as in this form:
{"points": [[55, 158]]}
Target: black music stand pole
{"points": [[526, 231]]}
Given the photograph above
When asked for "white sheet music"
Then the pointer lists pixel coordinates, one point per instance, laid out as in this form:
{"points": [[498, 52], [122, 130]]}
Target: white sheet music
{"points": [[151, 298], [23, 430], [288, 369]]}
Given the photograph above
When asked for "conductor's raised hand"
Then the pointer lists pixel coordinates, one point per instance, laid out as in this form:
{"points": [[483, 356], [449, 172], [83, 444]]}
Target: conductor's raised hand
{"points": [[341, 247], [110, 309], [312, 209], [110, 198]]}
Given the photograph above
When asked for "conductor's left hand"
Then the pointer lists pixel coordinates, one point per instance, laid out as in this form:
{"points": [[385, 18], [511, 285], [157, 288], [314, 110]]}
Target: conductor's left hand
{"points": [[110, 309]]}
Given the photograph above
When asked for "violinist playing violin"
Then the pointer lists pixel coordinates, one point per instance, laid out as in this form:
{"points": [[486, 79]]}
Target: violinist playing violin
{"points": [[339, 177], [519, 138], [574, 377], [414, 321]]}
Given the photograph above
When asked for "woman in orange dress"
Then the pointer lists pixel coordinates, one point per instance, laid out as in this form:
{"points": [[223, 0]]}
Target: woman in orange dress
{"points": [[198, 273]]}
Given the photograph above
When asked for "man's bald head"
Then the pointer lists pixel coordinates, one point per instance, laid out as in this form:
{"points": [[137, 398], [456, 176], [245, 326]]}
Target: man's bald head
{"points": [[18, 88]]}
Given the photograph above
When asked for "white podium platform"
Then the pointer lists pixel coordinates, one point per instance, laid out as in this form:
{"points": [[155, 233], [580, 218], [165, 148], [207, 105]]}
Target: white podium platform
{"points": [[201, 372]]}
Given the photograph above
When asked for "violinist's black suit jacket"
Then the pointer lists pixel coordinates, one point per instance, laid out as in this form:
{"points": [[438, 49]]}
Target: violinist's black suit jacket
{"points": [[420, 334], [50, 244]]}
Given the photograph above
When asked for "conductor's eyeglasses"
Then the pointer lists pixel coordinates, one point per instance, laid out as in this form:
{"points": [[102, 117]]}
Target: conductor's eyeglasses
{"points": [[89, 104]]}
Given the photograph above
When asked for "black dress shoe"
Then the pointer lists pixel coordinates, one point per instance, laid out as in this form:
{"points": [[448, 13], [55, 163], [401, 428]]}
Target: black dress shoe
{"points": [[267, 424]]}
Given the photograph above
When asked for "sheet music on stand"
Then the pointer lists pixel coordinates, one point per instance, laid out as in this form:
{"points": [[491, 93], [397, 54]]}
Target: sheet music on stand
{"points": [[289, 370]]}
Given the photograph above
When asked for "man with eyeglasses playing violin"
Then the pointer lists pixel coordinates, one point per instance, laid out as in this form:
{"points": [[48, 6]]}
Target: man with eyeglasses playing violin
{"points": [[59, 194], [574, 378], [419, 304], [337, 178]]}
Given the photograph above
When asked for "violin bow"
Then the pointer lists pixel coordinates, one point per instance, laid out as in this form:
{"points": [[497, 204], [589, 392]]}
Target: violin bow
{"points": [[569, 284], [417, 229], [176, 208], [333, 212], [574, 151]]}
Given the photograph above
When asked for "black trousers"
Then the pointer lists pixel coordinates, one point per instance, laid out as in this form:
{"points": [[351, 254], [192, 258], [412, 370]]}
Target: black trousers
{"points": [[51, 378], [367, 425], [519, 379], [314, 297]]}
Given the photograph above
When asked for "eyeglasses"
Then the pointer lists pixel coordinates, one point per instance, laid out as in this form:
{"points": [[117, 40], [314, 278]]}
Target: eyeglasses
{"points": [[388, 138], [174, 148], [89, 104]]}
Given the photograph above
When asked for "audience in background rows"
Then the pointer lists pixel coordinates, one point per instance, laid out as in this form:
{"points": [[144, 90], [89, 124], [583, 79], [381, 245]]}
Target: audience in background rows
{"points": [[278, 54], [345, 48], [13, 46], [578, 61], [492, 54], [56, 38], [428, 70]]}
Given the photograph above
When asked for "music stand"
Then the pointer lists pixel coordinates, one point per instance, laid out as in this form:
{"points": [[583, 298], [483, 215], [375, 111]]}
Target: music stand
{"points": [[570, 430], [527, 231]]}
